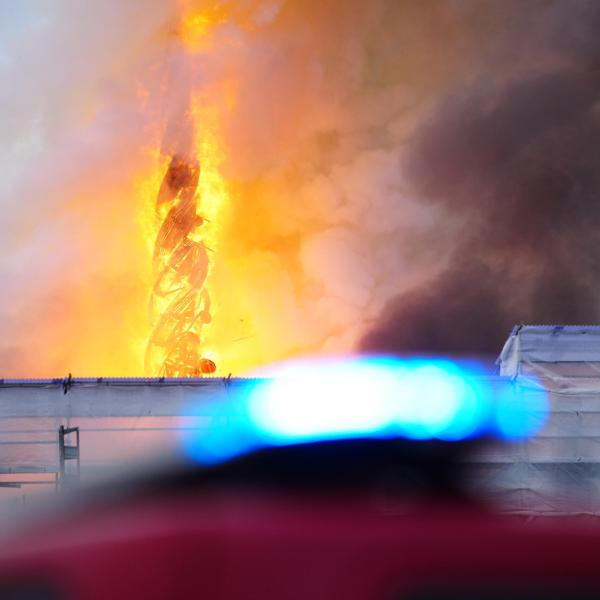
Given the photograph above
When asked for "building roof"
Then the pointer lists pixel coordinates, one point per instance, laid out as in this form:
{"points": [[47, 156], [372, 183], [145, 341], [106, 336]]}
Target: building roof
{"points": [[533, 344]]}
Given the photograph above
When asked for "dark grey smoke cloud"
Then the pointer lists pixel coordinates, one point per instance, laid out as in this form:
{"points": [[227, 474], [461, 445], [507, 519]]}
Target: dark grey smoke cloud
{"points": [[512, 156]]}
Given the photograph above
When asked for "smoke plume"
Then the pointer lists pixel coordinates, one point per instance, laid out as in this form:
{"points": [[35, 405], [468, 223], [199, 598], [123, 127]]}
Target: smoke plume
{"points": [[400, 176], [510, 155]]}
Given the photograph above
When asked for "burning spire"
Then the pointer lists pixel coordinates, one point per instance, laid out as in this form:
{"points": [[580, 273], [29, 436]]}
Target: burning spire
{"points": [[180, 305], [180, 302]]}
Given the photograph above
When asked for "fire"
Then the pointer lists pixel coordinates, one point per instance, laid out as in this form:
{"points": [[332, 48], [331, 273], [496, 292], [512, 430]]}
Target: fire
{"points": [[187, 211], [229, 290], [196, 27], [208, 197], [188, 203]]}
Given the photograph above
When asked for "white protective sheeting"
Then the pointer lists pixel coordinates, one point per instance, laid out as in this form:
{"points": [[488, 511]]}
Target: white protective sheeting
{"points": [[558, 470], [124, 420], [121, 421], [573, 349]]}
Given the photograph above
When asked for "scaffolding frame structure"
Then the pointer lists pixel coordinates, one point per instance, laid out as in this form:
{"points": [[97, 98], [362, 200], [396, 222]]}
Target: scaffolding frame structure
{"points": [[44, 422]]}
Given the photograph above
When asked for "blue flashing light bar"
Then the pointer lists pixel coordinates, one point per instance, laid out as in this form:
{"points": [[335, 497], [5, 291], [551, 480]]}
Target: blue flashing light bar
{"points": [[366, 398]]}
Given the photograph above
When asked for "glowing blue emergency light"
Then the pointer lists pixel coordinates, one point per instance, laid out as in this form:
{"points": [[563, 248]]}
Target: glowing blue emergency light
{"points": [[365, 398]]}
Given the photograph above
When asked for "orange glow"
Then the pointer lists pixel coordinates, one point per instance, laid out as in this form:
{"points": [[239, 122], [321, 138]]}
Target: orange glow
{"points": [[298, 119], [196, 26], [186, 233], [245, 123], [244, 316], [229, 324], [187, 198]]}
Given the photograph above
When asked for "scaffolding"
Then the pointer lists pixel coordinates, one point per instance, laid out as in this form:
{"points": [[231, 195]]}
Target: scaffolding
{"points": [[61, 475], [44, 423]]}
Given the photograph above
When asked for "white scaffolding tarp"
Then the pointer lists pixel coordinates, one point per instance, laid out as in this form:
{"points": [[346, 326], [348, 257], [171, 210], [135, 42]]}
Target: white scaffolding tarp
{"points": [[557, 470], [121, 421]]}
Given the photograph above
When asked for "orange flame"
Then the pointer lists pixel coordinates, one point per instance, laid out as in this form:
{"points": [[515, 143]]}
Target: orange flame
{"points": [[196, 26], [185, 232], [245, 308]]}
